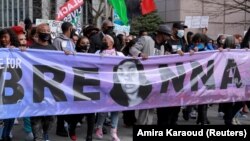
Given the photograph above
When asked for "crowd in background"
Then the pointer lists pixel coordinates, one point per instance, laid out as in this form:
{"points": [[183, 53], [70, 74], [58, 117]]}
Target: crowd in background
{"points": [[105, 42]]}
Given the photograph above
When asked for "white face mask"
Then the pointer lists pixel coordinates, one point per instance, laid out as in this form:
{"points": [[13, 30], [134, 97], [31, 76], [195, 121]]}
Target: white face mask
{"points": [[180, 33]]}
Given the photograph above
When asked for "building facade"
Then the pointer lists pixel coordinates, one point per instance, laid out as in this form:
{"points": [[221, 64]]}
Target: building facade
{"points": [[14, 11], [222, 19]]}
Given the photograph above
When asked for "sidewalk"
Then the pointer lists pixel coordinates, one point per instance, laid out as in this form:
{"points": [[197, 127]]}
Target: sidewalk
{"points": [[125, 134]]}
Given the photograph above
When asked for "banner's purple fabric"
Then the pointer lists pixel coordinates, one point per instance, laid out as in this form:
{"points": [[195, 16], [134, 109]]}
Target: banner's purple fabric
{"points": [[38, 82]]}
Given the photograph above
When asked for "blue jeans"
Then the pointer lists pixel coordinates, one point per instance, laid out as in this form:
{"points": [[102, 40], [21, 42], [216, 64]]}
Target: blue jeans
{"points": [[102, 116], [8, 124]]}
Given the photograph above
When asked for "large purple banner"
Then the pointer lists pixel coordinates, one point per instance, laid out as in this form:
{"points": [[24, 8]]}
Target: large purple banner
{"points": [[38, 82]]}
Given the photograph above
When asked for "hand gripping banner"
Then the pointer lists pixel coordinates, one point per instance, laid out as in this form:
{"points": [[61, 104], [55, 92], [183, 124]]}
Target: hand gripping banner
{"points": [[38, 82]]}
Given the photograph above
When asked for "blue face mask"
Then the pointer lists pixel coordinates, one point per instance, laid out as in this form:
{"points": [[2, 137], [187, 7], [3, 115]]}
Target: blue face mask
{"points": [[210, 46], [200, 46]]}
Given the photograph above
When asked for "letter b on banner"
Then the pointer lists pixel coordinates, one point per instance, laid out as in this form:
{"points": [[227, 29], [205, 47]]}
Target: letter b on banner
{"points": [[12, 91]]}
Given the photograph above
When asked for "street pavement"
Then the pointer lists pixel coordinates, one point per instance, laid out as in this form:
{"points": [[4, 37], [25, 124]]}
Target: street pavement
{"points": [[125, 134]]}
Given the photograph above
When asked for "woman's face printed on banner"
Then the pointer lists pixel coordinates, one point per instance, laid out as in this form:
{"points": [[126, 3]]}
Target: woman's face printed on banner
{"points": [[131, 86], [128, 76]]}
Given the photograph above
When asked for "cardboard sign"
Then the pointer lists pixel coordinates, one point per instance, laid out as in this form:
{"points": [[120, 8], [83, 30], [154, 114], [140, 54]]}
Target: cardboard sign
{"points": [[196, 21]]}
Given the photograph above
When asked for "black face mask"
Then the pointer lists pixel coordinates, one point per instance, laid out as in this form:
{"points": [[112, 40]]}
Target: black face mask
{"points": [[44, 36], [109, 31], [85, 47]]}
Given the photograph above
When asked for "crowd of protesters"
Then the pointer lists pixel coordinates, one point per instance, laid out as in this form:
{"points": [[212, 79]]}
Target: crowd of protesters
{"points": [[105, 42]]}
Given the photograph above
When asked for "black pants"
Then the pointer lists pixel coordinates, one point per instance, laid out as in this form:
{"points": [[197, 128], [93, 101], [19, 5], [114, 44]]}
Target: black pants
{"points": [[74, 119], [230, 109], [129, 118], [40, 126], [168, 115], [202, 114]]}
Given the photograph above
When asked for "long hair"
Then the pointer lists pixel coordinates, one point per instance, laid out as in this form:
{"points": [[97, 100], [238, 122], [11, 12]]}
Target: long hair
{"points": [[13, 37], [78, 48], [118, 95], [229, 42], [246, 40]]}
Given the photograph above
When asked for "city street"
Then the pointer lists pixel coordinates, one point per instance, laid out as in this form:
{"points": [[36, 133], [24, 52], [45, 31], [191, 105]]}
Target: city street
{"points": [[125, 134]]}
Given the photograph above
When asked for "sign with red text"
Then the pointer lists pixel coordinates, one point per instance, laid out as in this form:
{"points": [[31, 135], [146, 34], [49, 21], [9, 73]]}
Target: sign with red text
{"points": [[68, 7]]}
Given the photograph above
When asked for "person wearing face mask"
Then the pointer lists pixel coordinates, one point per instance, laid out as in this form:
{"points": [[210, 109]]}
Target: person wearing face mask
{"points": [[108, 49], [144, 47], [221, 41], [177, 41], [173, 44], [96, 40], [82, 45], [44, 38], [40, 125]]}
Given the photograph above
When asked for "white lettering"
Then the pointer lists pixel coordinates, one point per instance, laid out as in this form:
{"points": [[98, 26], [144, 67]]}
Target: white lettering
{"points": [[64, 10], [13, 63], [70, 7], [75, 3], [149, 133], [215, 133], [169, 132], [140, 133]]}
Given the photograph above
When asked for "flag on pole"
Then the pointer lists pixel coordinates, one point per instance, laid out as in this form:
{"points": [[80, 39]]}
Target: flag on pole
{"points": [[121, 9], [147, 6], [126, 9]]}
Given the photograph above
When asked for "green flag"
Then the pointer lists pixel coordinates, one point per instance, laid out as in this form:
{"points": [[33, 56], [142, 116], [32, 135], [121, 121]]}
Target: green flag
{"points": [[121, 9]]}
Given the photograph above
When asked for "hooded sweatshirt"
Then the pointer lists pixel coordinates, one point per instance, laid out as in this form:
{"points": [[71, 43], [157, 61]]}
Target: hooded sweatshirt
{"points": [[63, 42]]}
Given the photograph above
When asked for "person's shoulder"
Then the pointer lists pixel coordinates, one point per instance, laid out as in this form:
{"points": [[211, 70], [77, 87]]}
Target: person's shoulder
{"points": [[97, 52], [52, 47], [120, 53], [35, 46]]}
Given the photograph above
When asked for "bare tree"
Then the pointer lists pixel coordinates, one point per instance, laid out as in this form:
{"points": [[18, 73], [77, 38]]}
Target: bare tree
{"points": [[96, 11], [237, 5]]}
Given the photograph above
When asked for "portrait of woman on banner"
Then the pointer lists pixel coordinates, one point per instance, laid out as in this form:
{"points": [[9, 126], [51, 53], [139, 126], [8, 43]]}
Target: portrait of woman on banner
{"points": [[131, 86]]}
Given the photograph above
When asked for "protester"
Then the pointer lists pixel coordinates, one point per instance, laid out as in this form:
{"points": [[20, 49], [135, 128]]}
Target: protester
{"points": [[174, 43], [8, 39], [96, 39], [64, 43], [32, 37], [82, 45], [108, 49], [246, 40], [42, 124], [23, 44], [231, 108], [20, 35]]}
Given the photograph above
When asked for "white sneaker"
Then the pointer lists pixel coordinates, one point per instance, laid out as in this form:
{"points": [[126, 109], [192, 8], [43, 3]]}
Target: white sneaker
{"points": [[235, 121], [16, 122], [78, 124]]}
